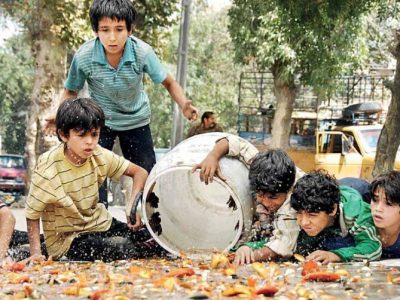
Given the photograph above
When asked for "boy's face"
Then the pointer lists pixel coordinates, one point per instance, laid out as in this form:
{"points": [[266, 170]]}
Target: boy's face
{"points": [[314, 222], [113, 35], [210, 122], [271, 202], [80, 144], [385, 214]]}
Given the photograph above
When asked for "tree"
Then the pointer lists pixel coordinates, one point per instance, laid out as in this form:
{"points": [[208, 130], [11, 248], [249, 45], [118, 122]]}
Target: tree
{"points": [[51, 28], [310, 41], [389, 139], [15, 87], [212, 73]]}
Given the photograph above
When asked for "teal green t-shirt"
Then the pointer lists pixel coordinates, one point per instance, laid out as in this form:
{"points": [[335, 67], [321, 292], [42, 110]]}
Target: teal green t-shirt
{"points": [[119, 92]]}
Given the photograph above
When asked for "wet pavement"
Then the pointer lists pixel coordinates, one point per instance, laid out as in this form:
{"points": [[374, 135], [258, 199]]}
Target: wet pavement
{"points": [[189, 279], [198, 278]]}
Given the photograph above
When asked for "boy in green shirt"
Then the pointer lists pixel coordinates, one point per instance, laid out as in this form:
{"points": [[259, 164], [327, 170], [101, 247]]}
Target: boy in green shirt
{"points": [[336, 224]]}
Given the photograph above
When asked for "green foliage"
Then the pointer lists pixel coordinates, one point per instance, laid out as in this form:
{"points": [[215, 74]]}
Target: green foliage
{"points": [[382, 23], [67, 22], [15, 86], [69, 19], [316, 40], [212, 75], [155, 18]]}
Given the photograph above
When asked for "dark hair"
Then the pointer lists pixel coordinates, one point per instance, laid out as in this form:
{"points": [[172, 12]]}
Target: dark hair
{"points": [[314, 192], [272, 172], [113, 9], [80, 114], [206, 115], [390, 183]]}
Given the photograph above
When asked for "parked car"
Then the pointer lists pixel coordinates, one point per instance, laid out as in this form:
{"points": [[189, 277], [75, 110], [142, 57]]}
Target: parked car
{"points": [[346, 149], [344, 145], [13, 169]]}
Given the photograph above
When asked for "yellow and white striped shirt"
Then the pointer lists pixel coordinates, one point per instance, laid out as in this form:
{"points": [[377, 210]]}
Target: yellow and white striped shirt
{"points": [[66, 196]]}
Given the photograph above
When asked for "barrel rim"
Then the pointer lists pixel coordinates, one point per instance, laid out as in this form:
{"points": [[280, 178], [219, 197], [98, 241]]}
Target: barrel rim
{"points": [[151, 185]]}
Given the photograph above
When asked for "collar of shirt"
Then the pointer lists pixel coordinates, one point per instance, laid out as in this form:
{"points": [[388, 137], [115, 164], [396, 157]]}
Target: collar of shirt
{"points": [[99, 54], [286, 209]]}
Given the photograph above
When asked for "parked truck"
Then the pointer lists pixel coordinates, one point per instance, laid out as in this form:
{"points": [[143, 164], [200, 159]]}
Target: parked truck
{"points": [[345, 146]]}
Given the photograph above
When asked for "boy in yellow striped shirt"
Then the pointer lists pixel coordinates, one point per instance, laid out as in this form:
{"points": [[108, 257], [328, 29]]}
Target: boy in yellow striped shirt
{"points": [[64, 193]]}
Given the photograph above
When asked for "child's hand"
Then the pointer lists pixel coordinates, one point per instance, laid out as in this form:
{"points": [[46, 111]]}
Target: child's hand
{"points": [[35, 258], [5, 262], [208, 168], [50, 126], [244, 255], [138, 222], [133, 219], [324, 257], [190, 111]]}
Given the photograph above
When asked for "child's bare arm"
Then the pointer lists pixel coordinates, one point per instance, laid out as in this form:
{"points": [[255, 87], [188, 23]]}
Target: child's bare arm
{"points": [[34, 236], [177, 93], [139, 176], [210, 165], [7, 223]]}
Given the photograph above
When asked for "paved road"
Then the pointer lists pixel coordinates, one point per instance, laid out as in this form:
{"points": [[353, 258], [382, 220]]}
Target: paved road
{"points": [[116, 211]]}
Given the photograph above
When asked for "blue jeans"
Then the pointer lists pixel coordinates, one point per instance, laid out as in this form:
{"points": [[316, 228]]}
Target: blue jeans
{"points": [[136, 145]]}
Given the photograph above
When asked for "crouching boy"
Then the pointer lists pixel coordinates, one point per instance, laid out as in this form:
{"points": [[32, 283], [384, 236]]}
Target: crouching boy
{"points": [[272, 175], [64, 192], [336, 224]]}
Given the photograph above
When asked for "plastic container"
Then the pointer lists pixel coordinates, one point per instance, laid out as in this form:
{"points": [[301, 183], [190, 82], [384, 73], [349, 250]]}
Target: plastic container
{"points": [[184, 214]]}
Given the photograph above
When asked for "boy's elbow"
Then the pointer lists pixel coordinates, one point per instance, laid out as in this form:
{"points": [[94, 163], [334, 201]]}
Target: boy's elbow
{"points": [[142, 171], [168, 82], [145, 174], [136, 171]]}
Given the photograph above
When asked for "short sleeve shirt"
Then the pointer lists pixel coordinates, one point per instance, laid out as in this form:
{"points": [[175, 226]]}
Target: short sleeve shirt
{"points": [[119, 92], [65, 196]]}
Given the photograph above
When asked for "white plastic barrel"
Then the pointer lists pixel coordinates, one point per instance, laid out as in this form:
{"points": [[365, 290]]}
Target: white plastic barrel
{"points": [[184, 214]]}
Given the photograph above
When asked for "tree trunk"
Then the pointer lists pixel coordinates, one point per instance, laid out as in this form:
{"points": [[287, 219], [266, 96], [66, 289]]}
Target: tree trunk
{"points": [[49, 58], [389, 140], [285, 94]]}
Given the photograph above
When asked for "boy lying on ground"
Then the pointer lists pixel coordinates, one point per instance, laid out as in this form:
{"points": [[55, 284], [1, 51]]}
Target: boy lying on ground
{"points": [[385, 208], [272, 174], [336, 224]]}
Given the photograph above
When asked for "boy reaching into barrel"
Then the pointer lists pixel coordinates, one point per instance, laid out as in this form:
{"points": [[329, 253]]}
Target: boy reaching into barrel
{"points": [[272, 175], [64, 193]]}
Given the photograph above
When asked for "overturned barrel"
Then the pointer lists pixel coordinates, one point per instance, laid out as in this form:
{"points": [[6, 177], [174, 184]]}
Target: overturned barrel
{"points": [[184, 214]]}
